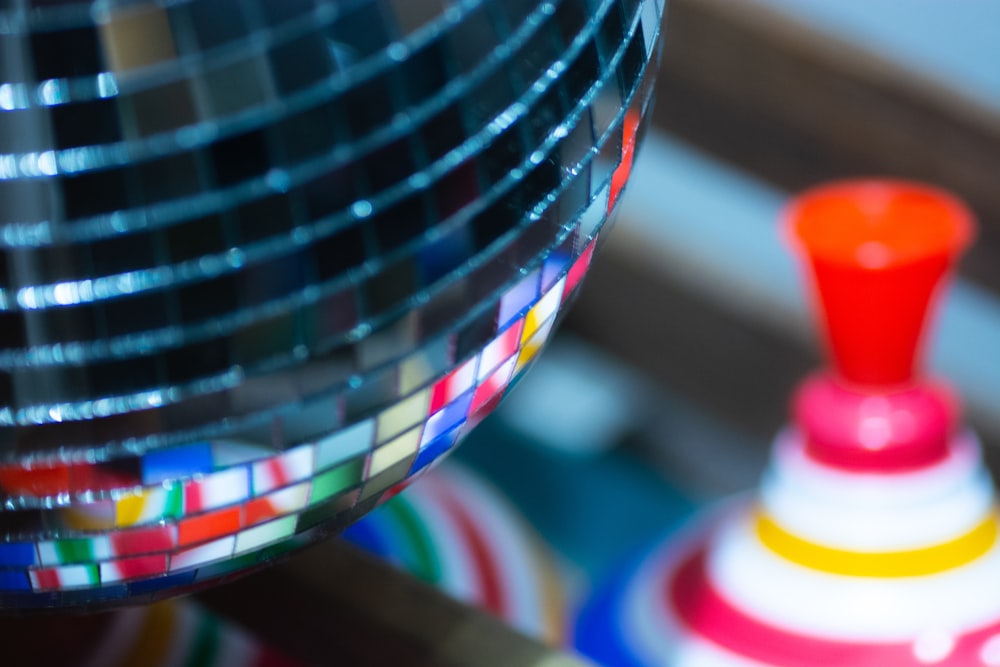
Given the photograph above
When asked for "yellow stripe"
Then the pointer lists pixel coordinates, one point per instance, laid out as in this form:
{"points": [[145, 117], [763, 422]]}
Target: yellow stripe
{"points": [[912, 563], [553, 601], [128, 509]]}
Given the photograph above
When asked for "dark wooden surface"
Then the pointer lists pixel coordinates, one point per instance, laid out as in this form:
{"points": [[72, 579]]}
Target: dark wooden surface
{"points": [[333, 605]]}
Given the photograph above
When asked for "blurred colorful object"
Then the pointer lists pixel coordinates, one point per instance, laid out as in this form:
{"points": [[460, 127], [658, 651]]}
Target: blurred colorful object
{"points": [[456, 532], [264, 261], [874, 532], [177, 633]]}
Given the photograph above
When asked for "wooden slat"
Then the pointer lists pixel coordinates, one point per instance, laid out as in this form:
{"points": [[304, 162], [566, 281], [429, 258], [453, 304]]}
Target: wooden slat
{"points": [[735, 369], [797, 107], [738, 370]]}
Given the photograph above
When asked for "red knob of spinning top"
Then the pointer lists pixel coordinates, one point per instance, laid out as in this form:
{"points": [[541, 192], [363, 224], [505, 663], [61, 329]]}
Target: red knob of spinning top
{"points": [[878, 250], [872, 431]]}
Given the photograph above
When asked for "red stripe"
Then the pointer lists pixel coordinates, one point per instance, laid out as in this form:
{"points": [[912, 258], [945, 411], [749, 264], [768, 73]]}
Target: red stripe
{"points": [[260, 509], [577, 271], [277, 470], [486, 568], [708, 614], [490, 387], [40, 480], [621, 174], [142, 540], [192, 498], [445, 391], [143, 566], [47, 579], [509, 339], [209, 526]]}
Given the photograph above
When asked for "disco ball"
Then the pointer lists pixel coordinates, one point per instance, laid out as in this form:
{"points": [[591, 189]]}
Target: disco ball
{"points": [[263, 261]]}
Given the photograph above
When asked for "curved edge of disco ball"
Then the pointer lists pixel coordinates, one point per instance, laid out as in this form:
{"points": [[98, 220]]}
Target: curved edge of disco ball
{"points": [[234, 535]]}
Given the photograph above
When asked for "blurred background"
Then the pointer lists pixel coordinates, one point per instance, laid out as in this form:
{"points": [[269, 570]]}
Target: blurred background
{"points": [[669, 377]]}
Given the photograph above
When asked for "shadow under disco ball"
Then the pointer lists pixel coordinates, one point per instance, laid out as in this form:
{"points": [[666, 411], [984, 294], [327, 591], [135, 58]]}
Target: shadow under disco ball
{"points": [[264, 262]]}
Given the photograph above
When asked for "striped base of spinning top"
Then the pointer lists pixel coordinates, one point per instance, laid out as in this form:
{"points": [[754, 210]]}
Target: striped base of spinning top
{"points": [[826, 566], [456, 532]]}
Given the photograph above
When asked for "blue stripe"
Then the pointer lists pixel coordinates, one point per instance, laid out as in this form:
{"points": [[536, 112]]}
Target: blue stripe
{"points": [[17, 554]]}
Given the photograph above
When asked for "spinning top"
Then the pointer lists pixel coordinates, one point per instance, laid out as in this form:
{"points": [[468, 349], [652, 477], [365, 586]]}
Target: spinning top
{"points": [[873, 535]]}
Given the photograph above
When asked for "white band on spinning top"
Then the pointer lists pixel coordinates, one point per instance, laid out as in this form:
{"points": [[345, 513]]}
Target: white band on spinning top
{"points": [[869, 512], [784, 594]]}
